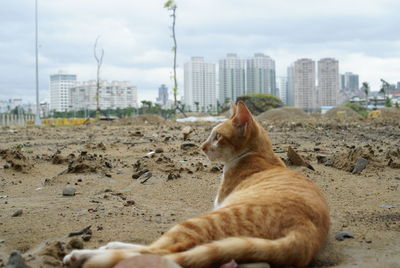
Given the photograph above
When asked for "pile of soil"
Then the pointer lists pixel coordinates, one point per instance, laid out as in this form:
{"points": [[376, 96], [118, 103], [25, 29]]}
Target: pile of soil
{"points": [[16, 160], [282, 114], [347, 160], [390, 113], [89, 163], [349, 113], [142, 119]]}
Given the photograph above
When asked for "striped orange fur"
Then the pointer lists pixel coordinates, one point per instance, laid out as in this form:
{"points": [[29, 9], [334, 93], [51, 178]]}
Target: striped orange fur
{"points": [[264, 211]]}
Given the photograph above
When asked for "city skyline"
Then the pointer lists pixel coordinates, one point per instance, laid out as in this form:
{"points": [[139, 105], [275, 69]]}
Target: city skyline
{"points": [[139, 50]]}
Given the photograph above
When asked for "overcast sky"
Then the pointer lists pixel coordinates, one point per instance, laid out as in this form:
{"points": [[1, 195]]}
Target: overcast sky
{"points": [[135, 35]]}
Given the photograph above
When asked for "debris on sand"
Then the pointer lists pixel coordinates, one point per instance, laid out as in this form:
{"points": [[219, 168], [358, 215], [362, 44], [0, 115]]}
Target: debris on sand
{"points": [[339, 111], [16, 260], [186, 132], [187, 145], [283, 114], [296, 160], [17, 160], [85, 230], [361, 164], [17, 213], [340, 236]]}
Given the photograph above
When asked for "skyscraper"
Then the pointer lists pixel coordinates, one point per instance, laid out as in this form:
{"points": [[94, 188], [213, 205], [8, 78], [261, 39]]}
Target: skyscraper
{"points": [[112, 95], [162, 95], [231, 78], [328, 82], [283, 89], [199, 85], [304, 84], [290, 85], [59, 86], [349, 81], [261, 74]]}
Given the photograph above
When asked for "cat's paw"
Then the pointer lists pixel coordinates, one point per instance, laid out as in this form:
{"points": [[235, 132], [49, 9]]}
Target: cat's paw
{"points": [[121, 245], [76, 258]]}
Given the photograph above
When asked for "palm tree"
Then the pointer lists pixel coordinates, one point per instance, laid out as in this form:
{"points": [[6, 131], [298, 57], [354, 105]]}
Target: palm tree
{"points": [[365, 89]]}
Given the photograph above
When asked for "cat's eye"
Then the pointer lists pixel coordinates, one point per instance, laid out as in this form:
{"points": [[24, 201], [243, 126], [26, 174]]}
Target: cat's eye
{"points": [[217, 136]]}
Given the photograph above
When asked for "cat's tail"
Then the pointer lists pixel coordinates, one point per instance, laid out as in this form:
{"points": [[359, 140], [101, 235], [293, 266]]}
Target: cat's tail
{"points": [[295, 249]]}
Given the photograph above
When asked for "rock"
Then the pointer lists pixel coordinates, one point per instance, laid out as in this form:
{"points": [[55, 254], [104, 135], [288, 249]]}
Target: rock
{"points": [[342, 235], [69, 191], [75, 243], [145, 261], [145, 177], [16, 260], [159, 150], [215, 169], [187, 145], [361, 164], [296, 160], [139, 173], [129, 203], [17, 213], [86, 237], [322, 158], [186, 132], [254, 265]]}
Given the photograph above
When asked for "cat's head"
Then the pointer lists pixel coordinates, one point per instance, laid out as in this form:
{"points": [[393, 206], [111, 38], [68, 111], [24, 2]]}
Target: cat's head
{"points": [[233, 137]]}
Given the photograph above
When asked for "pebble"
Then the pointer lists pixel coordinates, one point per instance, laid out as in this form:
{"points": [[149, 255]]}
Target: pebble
{"points": [[187, 145], [159, 150], [342, 235], [69, 191], [361, 164], [86, 237], [186, 132], [17, 213], [322, 158], [16, 260]]}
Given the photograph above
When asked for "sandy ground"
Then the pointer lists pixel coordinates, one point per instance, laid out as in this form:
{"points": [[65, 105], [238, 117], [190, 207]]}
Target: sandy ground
{"points": [[98, 160]]}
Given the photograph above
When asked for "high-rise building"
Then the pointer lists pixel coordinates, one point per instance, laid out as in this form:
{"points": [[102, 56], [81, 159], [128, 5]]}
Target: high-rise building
{"points": [[283, 89], [304, 84], [231, 78], [199, 85], [162, 95], [112, 95], [261, 74], [328, 82], [59, 85], [398, 85], [349, 81], [290, 85]]}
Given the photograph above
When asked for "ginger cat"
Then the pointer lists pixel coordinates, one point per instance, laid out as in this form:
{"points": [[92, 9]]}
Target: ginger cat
{"points": [[263, 211]]}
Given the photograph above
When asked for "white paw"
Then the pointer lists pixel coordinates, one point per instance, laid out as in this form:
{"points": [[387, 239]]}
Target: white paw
{"points": [[121, 245], [77, 257]]}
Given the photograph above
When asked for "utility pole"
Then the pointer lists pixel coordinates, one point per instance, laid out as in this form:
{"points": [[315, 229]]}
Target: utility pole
{"points": [[38, 122]]}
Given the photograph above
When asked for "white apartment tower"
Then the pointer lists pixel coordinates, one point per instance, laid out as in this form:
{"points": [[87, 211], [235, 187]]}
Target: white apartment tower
{"points": [[328, 82], [59, 85], [199, 85], [283, 89], [261, 75], [112, 95], [304, 84], [231, 78]]}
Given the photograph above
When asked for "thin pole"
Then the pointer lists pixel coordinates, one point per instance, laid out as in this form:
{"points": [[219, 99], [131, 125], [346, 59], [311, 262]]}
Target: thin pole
{"points": [[37, 116]]}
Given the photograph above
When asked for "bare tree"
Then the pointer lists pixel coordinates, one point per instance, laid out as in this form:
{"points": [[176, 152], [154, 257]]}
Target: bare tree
{"points": [[99, 61], [171, 5]]}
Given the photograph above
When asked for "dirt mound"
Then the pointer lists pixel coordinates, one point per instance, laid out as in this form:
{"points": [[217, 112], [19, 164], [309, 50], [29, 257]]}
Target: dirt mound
{"points": [[142, 119], [89, 163], [335, 113], [390, 113], [347, 160], [283, 114], [16, 160]]}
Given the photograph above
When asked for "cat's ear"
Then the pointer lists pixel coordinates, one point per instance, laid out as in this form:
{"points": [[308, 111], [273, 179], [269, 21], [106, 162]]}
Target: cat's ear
{"points": [[233, 110], [243, 117]]}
